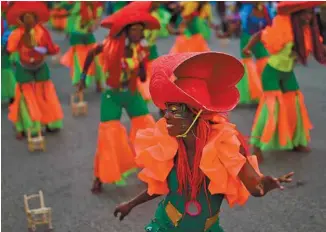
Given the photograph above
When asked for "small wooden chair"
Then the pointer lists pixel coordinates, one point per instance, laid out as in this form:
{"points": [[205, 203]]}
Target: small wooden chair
{"points": [[35, 143], [79, 107], [40, 216]]}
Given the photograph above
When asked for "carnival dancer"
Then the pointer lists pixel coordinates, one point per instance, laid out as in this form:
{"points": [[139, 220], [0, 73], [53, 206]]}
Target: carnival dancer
{"points": [[282, 121], [8, 81], [82, 39], [191, 39], [36, 102], [124, 60], [194, 156], [59, 15], [254, 17]]}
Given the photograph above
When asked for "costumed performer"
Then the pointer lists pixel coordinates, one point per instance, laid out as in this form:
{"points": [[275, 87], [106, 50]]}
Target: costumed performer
{"points": [[194, 156], [282, 121]]}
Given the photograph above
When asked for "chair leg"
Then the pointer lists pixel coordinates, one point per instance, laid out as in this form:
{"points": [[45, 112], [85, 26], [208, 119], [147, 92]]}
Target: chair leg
{"points": [[50, 220]]}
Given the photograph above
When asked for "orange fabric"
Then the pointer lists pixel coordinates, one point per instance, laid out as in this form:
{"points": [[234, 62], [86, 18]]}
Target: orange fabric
{"points": [[195, 43], [271, 98], [260, 66], [80, 51], [114, 154], [27, 90], [143, 87], [221, 161], [291, 105], [276, 36], [140, 122], [48, 102], [254, 80]]}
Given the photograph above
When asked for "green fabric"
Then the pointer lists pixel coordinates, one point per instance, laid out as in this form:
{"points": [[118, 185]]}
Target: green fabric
{"points": [[55, 125], [153, 53], [24, 75], [118, 5], [283, 60], [164, 17], [243, 87], [72, 18], [298, 139], [8, 81], [14, 58], [114, 100], [98, 76], [272, 79], [77, 38], [204, 28], [161, 221], [193, 27], [258, 51], [24, 121], [125, 175]]}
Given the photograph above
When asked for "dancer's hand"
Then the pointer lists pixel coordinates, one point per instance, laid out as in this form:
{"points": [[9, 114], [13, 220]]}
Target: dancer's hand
{"points": [[124, 209], [269, 183], [82, 83], [246, 50]]}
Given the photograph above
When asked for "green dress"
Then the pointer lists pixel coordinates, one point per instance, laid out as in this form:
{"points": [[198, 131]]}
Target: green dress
{"points": [[162, 221]]}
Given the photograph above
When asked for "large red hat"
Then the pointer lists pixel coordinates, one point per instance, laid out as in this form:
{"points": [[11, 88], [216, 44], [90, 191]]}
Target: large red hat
{"points": [[19, 8], [129, 15], [134, 6], [4, 6], [203, 80], [294, 6]]}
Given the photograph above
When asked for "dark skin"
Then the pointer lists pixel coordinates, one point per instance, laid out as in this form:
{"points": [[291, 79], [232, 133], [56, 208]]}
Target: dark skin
{"points": [[179, 119], [306, 17], [134, 33]]}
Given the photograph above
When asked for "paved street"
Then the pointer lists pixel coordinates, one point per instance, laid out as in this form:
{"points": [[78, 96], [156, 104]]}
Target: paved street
{"points": [[64, 171]]}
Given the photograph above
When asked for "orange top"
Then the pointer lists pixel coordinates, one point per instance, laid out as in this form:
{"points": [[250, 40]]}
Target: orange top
{"points": [[28, 55], [221, 160]]}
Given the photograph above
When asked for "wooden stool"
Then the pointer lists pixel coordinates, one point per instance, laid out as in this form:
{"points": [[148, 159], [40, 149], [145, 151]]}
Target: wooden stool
{"points": [[80, 107], [35, 143], [40, 216]]}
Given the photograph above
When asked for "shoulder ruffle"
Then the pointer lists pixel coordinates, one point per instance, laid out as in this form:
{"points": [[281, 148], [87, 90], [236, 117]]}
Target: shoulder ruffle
{"points": [[155, 151], [276, 36], [222, 161]]}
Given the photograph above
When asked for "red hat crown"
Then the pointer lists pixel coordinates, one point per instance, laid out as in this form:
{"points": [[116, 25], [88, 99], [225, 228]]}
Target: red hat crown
{"points": [[205, 80]]}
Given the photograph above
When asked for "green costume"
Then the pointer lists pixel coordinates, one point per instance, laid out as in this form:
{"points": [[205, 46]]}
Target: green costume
{"points": [[174, 200]]}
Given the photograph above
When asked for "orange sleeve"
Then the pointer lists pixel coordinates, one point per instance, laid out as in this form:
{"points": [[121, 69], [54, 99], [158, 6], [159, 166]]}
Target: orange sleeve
{"points": [[155, 152], [14, 40], [222, 161], [276, 36]]}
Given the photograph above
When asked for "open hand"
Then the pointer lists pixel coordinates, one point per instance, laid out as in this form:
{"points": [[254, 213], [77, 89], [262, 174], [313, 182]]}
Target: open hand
{"points": [[269, 183], [246, 51], [124, 209]]}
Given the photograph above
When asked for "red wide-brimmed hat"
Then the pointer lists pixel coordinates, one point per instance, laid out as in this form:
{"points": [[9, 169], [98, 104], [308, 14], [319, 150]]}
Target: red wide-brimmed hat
{"points": [[130, 14], [286, 7], [4, 6], [19, 8], [203, 80]]}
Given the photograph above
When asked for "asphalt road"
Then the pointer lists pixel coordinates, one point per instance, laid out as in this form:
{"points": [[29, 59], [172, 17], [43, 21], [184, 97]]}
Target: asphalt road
{"points": [[64, 171]]}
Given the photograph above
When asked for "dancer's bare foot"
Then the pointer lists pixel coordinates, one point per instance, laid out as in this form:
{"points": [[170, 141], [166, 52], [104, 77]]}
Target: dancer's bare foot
{"points": [[20, 135], [97, 186], [301, 148], [259, 154]]}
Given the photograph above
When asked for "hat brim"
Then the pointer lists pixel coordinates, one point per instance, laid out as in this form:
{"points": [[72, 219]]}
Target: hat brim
{"points": [[220, 71], [145, 18], [287, 8], [20, 8]]}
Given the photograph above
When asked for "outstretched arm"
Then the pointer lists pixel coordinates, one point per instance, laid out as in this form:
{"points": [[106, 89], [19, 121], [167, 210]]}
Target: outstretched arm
{"points": [[255, 38], [259, 185], [125, 208]]}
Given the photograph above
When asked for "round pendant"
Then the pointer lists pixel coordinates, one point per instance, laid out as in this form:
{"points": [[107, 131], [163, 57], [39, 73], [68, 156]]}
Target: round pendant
{"points": [[193, 208]]}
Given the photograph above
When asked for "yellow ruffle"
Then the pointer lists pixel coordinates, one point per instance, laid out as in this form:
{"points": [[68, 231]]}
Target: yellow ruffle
{"points": [[221, 161]]}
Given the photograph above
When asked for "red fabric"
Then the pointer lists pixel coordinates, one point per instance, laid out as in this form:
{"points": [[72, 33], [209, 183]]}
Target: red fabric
{"points": [[51, 46], [19, 8], [130, 14], [286, 7], [206, 80], [4, 6], [85, 13]]}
